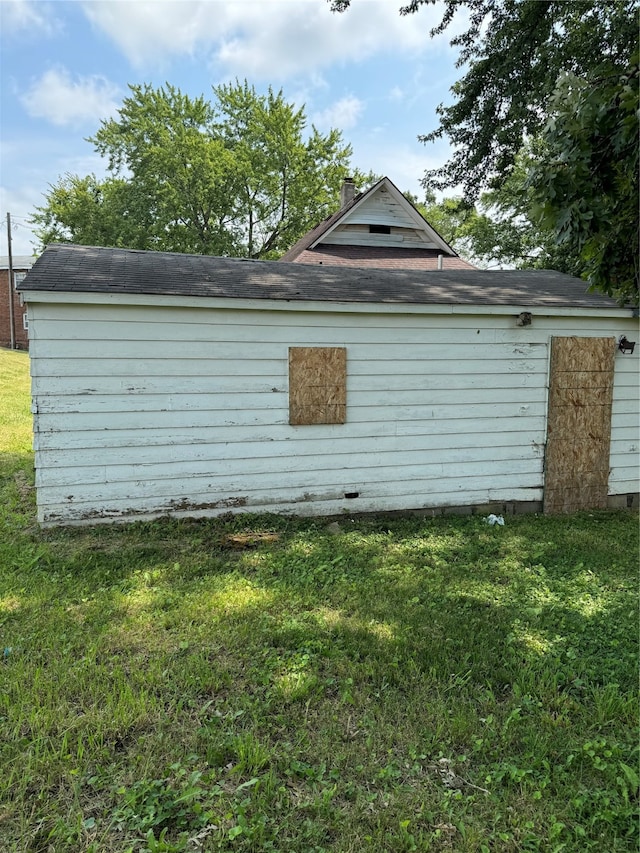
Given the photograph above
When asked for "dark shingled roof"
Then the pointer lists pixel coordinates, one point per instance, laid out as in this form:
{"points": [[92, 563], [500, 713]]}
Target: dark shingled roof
{"points": [[84, 269]]}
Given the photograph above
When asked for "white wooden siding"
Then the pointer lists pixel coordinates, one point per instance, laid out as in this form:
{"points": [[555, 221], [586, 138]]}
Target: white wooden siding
{"points": [[146, 409], [624, 474], [381, 209], [359, 235]]}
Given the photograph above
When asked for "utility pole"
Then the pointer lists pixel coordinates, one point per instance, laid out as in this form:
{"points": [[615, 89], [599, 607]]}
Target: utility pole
{"points": [[12, 325]]}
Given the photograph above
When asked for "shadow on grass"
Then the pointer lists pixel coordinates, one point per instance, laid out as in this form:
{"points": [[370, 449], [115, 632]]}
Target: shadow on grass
{"points": [[279, 643], [452, 599], [449, 597]]}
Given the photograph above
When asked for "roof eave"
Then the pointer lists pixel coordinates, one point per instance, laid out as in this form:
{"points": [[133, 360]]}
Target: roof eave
{"points": [[511, 308]]}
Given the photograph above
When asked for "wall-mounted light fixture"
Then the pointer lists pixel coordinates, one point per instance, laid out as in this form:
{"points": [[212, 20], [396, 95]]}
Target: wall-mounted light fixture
{"points": [[523, 319], [625, 346]]}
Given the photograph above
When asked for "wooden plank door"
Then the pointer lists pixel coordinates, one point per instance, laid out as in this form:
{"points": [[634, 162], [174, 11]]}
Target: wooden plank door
{"points": [[579, 424]]}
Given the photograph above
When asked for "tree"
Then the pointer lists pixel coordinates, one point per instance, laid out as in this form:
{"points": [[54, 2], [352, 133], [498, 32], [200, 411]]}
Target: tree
{"points": [[232, 177], [584, 182], [498, 230], [514, 51], [558, 76], [283, 185], [506, 229], [94, 213]]}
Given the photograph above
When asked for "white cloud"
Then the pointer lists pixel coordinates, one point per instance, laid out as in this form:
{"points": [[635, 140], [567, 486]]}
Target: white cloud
{"points": [[261, 40], [64, 101], [342, 115], [148, 32], [20, 15]]}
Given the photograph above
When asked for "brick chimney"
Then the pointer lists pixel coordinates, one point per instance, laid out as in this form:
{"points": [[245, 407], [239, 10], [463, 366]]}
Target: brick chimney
{"points": [[347, 192]]}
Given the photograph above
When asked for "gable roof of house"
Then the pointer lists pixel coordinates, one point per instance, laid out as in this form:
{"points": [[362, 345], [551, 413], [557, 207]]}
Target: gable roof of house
{"points": [[313, 238], [85, 269]]}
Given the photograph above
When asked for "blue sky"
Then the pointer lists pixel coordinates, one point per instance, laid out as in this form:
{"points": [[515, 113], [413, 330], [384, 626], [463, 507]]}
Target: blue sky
{"points": [[376, 76]]}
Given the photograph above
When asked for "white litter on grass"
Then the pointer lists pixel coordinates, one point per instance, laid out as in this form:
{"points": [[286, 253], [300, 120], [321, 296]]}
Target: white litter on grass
{"points": [[495, 519]]}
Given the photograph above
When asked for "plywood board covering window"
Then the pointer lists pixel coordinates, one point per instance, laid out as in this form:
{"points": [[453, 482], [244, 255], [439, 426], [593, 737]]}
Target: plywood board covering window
{"points": [[317, 385]]}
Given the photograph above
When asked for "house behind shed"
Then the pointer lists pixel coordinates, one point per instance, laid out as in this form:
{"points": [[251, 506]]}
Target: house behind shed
{"points": [[14, 330], [189, 385], [376, 228]]}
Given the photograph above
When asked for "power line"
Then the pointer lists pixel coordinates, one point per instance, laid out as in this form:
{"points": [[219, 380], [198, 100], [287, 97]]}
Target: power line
{"points": [[23, 219]]}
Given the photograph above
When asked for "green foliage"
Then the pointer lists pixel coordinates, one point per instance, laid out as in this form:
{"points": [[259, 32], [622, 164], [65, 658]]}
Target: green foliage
{"points": [[94, 213], [554, 84], [283, 185], [182, 801], [584, 182], [514, 53], [482, 239], [178, 170], [238, 176], [555, 212], [511, 233], [499, 229]]}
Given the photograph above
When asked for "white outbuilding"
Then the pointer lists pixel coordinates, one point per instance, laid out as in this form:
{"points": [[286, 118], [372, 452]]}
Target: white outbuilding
{"points": [[188, 385]]}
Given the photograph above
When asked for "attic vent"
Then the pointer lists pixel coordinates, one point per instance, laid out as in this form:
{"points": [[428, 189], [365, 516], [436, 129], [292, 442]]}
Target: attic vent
{"points": [[379, 229]]}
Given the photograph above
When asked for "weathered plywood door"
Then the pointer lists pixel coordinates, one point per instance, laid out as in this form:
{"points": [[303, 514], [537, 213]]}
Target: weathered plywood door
{"points": [[579, 424]]}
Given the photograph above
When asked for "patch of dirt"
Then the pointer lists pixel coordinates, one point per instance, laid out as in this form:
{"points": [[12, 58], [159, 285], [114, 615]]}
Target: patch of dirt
{"points": [[244, 541], [25, 488]]}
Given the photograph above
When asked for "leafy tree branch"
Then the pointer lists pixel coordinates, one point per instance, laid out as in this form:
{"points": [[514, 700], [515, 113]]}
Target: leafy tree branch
{"points": [[239, 175]]}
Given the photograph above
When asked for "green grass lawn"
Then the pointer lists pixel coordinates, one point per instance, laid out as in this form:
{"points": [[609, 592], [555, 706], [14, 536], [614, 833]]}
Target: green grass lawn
{"points": [[259, 683]]}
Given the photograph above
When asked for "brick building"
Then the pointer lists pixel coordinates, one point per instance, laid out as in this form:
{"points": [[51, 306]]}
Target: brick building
{"points": [[21, 265]]}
